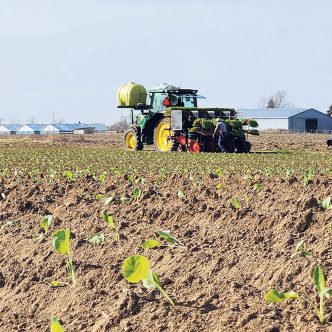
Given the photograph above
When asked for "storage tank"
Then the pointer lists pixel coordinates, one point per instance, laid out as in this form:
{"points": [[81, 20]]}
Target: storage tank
{"points": [[131, 94]]}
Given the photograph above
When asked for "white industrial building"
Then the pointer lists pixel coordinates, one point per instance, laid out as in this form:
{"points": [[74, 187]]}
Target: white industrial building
{"points": [[9, 129], [293, 119]]}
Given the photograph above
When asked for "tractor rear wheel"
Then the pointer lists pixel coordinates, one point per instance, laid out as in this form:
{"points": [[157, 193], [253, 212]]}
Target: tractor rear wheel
{"points": [[131, 141], [162, 135]]}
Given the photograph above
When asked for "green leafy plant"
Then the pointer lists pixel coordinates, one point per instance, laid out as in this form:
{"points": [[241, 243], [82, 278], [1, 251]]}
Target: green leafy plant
{"points": [[111, 224], [102, 178], [137, 193], [167, 236], [323, 292], [2, 196], [257, 186], [326, 203], [219, 173], [140, 181], [124, 199], [55, 283], [109, 200], [181, 193], [96, 238], [55, 325], [301, 250], [137, 268], [46, 222], [68, 175], [100, 197], [235, 202], [307, 176], [61, 244]]}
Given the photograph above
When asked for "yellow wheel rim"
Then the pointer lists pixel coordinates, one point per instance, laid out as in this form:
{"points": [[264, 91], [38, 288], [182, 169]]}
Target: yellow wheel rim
{"points": [[131, 141], [163, 133]]}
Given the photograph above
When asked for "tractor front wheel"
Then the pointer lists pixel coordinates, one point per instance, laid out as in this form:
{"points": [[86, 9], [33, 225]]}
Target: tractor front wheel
{"points": [[131, 141], [162, 135]]}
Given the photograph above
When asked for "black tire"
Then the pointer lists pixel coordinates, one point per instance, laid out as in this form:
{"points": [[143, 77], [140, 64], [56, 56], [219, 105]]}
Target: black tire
{"points": [[130, 145]]}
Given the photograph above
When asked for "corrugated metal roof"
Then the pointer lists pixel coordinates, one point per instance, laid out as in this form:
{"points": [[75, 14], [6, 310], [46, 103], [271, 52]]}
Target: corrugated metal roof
{"points": [[70, 127], [34, 126], [276, 113], [12, 127]]}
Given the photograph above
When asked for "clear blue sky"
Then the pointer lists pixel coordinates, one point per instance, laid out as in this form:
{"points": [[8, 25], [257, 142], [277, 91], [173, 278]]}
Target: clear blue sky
{"points": [[68, 57]]}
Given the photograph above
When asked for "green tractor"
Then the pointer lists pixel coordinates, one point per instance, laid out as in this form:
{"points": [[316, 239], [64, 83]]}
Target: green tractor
{"points": [[161, 113]]}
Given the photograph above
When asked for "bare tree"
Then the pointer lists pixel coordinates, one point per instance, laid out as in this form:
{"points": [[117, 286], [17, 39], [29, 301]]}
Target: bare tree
{"points": [[31, 120], [277, 100], [14, 120], [121, 125], [329, 112], [61, 120]]}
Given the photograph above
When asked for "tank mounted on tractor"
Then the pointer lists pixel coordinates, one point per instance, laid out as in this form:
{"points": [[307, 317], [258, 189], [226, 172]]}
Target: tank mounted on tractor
{"points": [[162, 112]]}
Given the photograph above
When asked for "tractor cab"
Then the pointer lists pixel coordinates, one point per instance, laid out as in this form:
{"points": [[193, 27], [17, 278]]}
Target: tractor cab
{"points": [[164, 96]]}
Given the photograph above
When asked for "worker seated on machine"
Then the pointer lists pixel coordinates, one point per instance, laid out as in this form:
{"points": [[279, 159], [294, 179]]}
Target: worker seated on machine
{"points": [[180, 103]]}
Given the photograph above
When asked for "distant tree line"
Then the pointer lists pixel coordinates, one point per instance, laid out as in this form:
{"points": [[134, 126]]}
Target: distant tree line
{"points": [[121, 125]]}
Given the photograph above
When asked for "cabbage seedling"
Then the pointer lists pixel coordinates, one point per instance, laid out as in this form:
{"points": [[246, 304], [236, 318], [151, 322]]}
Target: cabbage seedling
{"points": [[68, 175], [109, 200], [307, 176], [102, 178], [301, 250], [61, 243], [326, 203], [46, 222], [124, 199], [257, 186], [181, 193], [110, 222], [168, 237], [96, 239], [137, 268], [235, 202], [55, 325], [100, 197], [137, 193], [323, 292]]}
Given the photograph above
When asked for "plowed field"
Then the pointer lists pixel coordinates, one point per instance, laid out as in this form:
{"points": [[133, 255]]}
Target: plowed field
{"points": [[240, 218]]}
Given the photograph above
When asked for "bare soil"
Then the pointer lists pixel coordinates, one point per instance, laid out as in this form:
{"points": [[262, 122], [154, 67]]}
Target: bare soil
{"points": [[233, 256], [285, 141], [266, 141]]}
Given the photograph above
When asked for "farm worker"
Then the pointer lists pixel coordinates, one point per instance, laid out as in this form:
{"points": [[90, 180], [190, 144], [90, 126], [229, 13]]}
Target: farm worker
{"points": [[329, 141], [222, 134], [180, 103], [186, 125]]}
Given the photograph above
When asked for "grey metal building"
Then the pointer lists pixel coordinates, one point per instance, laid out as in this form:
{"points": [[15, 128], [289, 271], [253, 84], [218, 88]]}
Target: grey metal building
{"points": [[294, 119]]}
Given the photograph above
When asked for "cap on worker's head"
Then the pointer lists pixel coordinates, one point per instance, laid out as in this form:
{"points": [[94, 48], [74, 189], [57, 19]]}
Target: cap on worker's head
{"points": [[218, 120]]}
